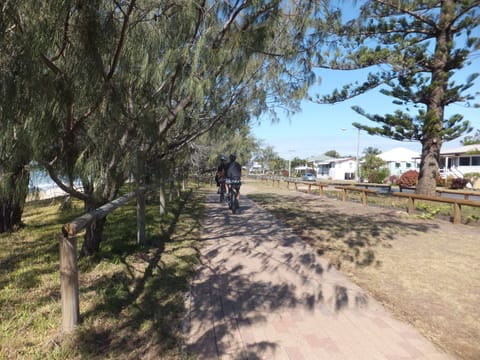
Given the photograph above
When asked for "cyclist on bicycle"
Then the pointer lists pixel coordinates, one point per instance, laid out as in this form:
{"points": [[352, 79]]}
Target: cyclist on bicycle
{"points": [[221, 172], [234, 173]]}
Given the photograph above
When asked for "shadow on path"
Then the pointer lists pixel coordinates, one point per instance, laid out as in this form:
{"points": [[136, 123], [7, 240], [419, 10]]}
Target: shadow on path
{"points": [[262, 293]]}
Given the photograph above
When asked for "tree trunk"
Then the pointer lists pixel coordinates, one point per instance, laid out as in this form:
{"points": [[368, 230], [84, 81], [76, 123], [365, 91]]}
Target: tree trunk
{"points": [[427, 179], [10, 215], [15, 191], [162, 198], [433, 121], [93, 237]]}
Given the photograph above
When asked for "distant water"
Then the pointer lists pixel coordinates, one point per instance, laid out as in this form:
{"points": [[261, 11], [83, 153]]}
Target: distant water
{"points": [[41, 180]]}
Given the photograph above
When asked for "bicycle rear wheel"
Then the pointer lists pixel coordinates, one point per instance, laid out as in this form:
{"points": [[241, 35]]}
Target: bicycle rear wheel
{"points": [[234, 201], [222, 192], [230, 199]]}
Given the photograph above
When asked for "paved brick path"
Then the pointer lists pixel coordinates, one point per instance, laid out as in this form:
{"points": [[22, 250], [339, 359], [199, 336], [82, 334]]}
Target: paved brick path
{"points": [[261, 293]]}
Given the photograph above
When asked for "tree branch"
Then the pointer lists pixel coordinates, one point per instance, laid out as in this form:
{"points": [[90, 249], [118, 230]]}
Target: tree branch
{"points": [[121, 41]]}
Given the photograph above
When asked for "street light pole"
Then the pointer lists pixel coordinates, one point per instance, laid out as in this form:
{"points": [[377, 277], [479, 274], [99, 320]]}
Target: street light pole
{"points": [[357, 170], [290, 163]]}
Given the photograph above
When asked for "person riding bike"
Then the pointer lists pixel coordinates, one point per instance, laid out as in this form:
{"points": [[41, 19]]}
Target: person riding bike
{"points": [[234, 173], [221, 173]]}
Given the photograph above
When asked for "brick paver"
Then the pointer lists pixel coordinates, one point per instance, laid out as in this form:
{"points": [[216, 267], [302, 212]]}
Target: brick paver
{"points": [[262, 293]]}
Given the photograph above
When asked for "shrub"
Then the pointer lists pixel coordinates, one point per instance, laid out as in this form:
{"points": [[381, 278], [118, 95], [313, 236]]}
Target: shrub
{"points": [[378, 176], [393, 179], [458, 183], [441, 181], [472, 176], [408, 178]]}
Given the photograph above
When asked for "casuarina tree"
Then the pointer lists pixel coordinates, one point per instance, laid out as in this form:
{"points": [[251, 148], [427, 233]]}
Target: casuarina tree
{"points": [[127, 84]]}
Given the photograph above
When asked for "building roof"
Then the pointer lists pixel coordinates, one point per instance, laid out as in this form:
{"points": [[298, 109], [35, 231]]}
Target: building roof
{"points": [[340, 160], [461, 150], [321, 158], [399, 154]]}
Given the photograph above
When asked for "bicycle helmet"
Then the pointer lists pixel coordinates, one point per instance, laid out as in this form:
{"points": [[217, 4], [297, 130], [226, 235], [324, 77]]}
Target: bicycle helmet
{"points": [[233, 157], [223, 158]]}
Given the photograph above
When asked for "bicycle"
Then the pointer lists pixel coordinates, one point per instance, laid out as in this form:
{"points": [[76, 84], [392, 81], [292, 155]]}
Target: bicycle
{"points": [[233, 190]]}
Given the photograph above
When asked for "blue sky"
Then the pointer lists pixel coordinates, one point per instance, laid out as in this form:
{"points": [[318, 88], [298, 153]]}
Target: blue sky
{"points": [[320, 128]]}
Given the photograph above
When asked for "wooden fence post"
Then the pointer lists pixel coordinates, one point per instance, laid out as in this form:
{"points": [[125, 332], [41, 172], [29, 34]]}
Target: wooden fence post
{"points": [[69, 282], [411, 206], [68, 260], [364, 198], [321, 190], [457, 217]]}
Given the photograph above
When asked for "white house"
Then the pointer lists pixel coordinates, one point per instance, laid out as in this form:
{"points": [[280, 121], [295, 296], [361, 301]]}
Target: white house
{"points": [[334, 169], [256, 167], [343, 169], [400, 160], [460, 161], [322, 165]]}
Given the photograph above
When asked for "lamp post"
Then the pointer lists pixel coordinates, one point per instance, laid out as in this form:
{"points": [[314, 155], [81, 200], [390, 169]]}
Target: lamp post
{"points": [[357, 160], [290, 163], [357, 167]]}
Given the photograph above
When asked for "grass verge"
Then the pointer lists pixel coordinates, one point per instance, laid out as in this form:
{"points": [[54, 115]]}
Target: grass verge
{"points": [[131, 297]]}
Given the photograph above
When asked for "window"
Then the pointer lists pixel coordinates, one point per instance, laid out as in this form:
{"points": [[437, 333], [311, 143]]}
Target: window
{"points": [[464, 161], [408, 165], [397, 165], [476, 160]]}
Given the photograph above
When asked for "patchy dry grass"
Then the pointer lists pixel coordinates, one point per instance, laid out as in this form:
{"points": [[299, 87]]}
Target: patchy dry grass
{"points": [[424, 270], [131, 297]]}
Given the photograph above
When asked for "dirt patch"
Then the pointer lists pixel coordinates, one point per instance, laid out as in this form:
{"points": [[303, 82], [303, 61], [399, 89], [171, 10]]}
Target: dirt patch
{"points": [[424, 271]]}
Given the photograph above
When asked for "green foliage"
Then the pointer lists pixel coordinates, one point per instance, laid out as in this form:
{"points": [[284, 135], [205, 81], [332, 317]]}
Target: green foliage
{"points": [[428, 212], [412, 50], [371, 168], [333, 154], [471, 140], [271, 160], [372, 150], [378, 176], [225, 141], [122, 89], [472, 175]]}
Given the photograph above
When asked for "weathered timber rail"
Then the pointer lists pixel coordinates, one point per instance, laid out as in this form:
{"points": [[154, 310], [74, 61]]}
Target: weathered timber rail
{"points": [[466, 194], [363, 191], [366, 189], [457, 203], [68, 260]]}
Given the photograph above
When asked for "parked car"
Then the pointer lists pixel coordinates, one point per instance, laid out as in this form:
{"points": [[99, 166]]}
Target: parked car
{"points": [[309, 177]]}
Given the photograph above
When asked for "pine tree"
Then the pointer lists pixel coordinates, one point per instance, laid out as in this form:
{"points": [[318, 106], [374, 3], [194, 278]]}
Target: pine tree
{"points": [[421, 46]]}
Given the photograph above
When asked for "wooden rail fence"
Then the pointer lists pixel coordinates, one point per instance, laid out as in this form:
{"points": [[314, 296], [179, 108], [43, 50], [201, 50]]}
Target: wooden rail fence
{"points": [[68, 260], [363, 191], [457, 203], [366, 189]]}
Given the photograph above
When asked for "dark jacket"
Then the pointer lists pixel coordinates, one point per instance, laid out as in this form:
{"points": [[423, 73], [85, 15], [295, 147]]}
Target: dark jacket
{"points": [[221, 173], [234, 170]]}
